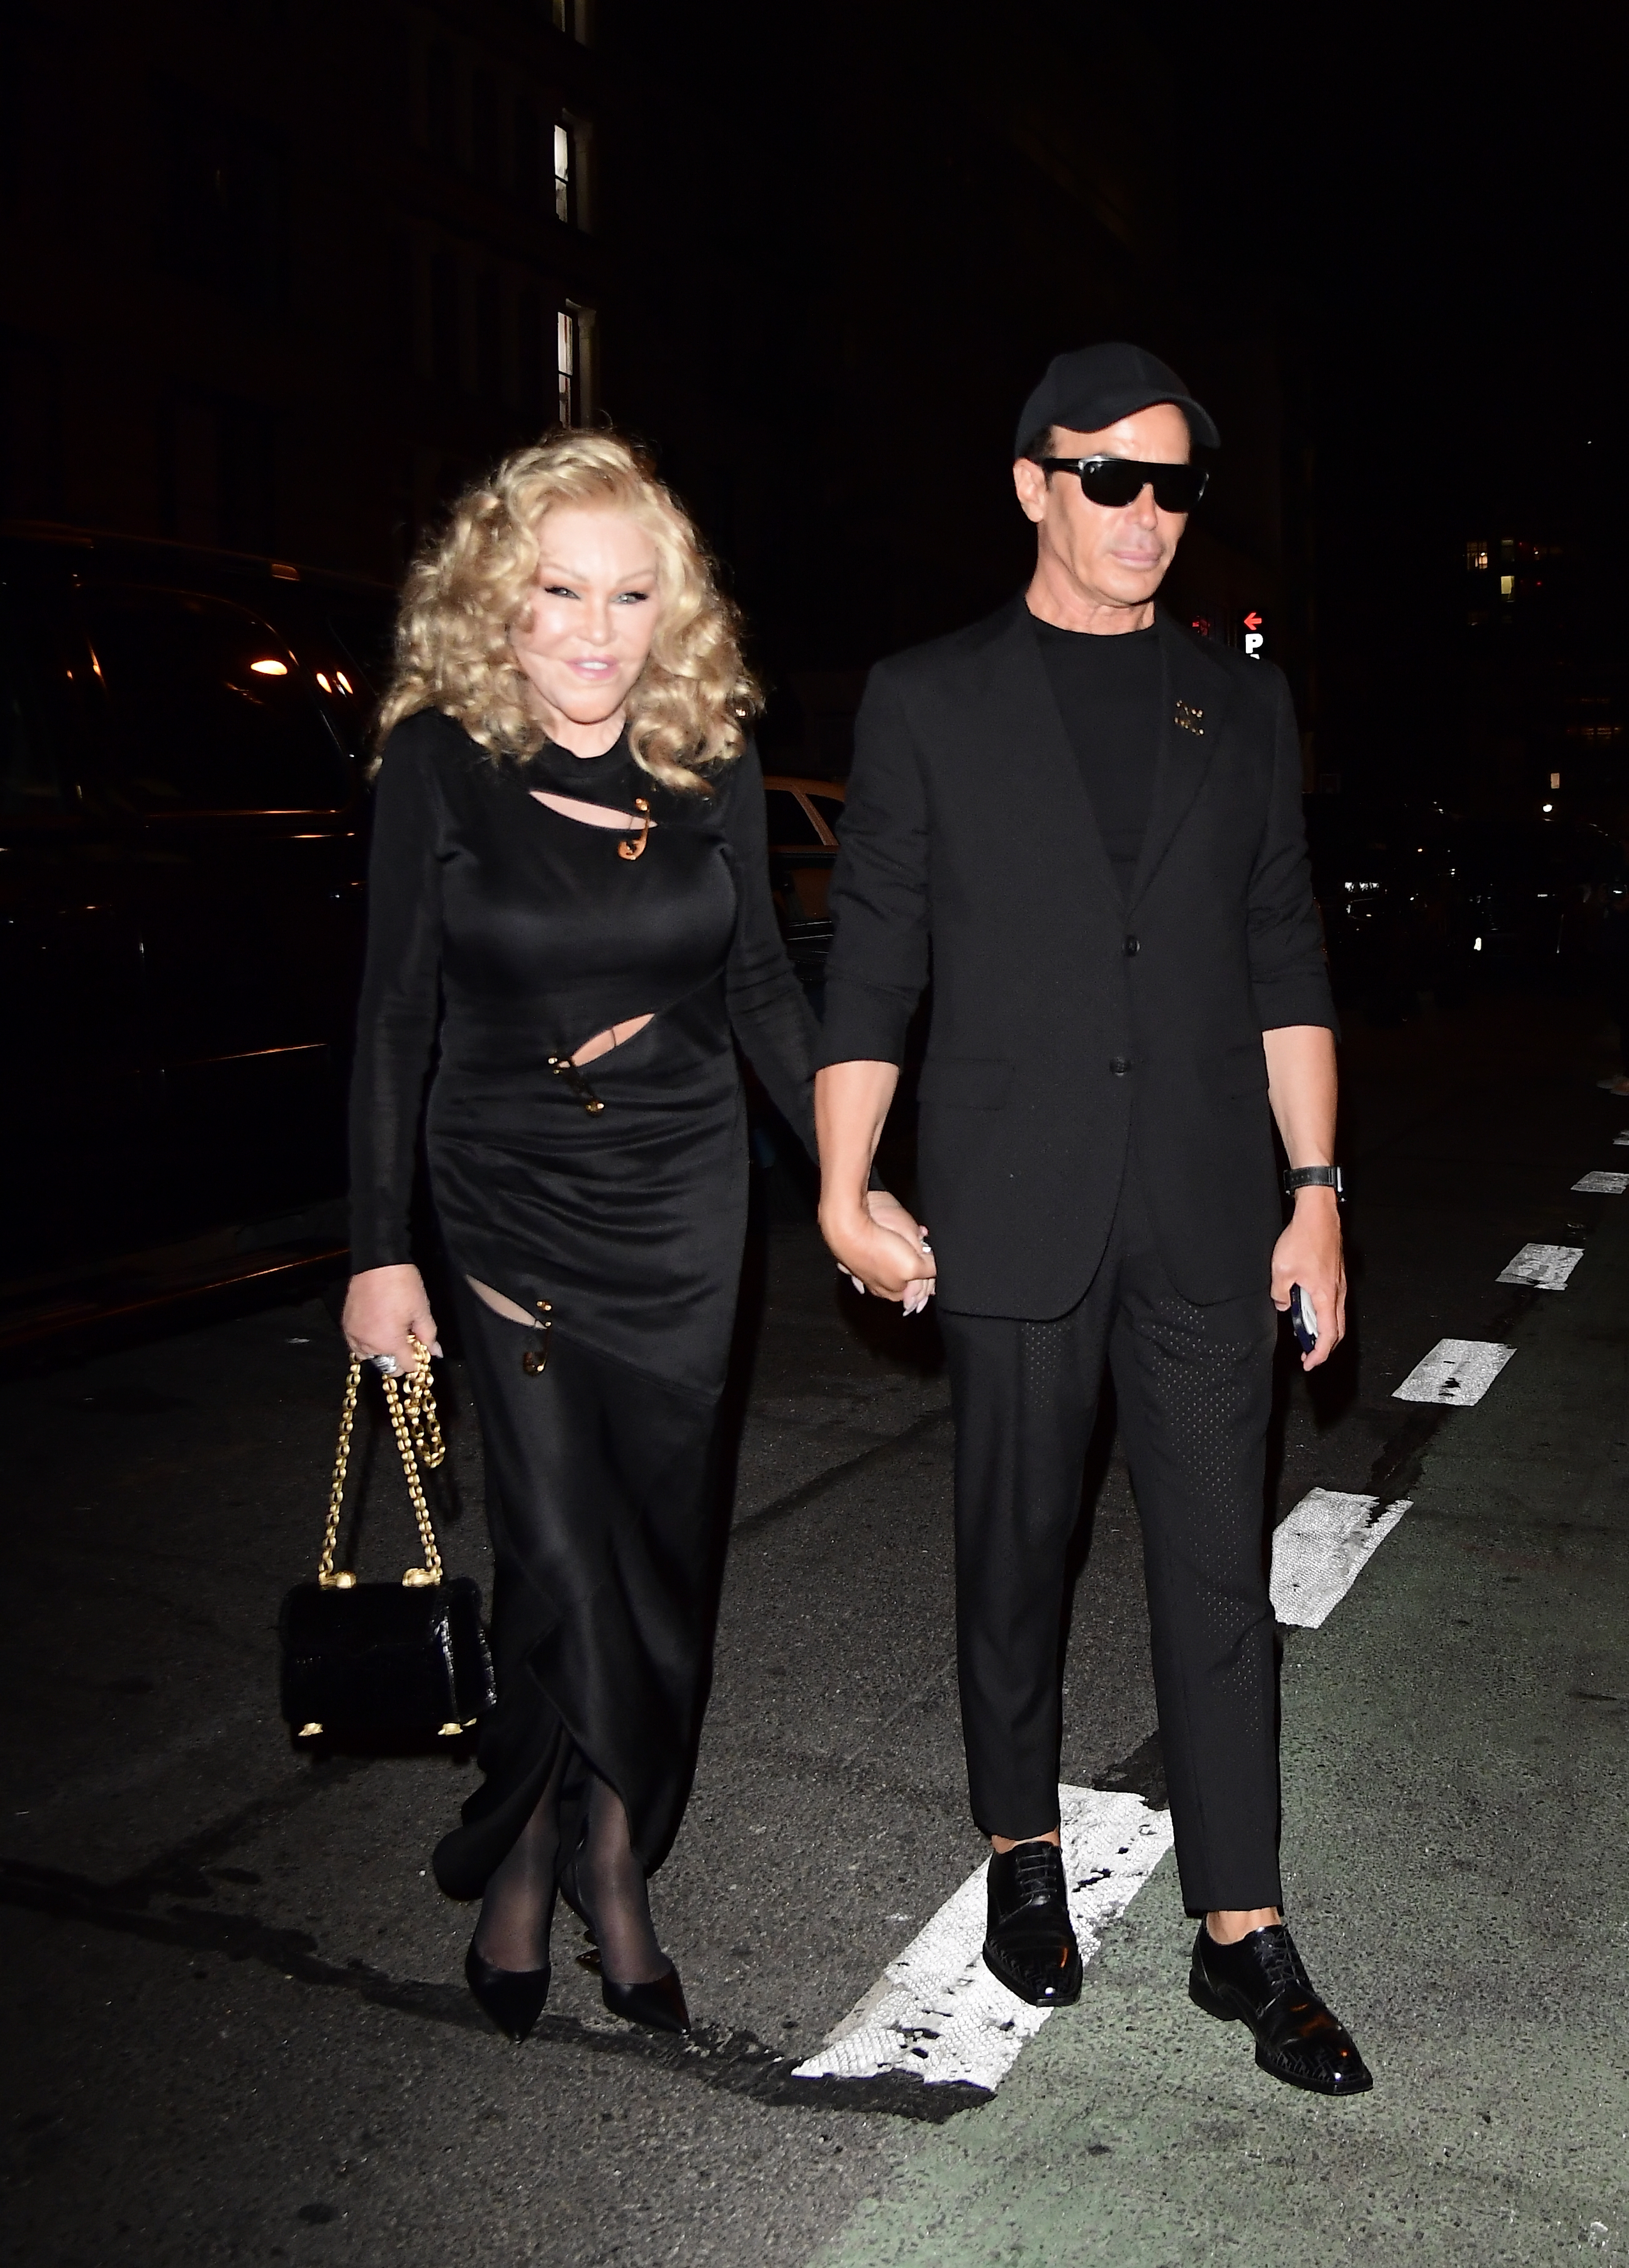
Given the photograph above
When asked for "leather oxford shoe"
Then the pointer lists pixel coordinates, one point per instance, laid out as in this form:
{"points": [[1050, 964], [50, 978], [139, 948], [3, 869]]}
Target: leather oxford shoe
{"points": [[1030, 1944], [1260, 1981]]}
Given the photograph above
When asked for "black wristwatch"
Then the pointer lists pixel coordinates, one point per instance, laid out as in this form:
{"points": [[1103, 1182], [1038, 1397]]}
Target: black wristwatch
{"points": [[1312, 1177]]}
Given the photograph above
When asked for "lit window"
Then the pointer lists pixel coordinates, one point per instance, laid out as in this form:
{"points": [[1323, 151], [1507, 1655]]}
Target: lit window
{"points": [[565, 364], [1555, 780], [1507, 586], [562, 172], [1476, 558]]}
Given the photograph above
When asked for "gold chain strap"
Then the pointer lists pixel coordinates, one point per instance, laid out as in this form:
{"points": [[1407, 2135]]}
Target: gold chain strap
{"points": [[417, 1430]]}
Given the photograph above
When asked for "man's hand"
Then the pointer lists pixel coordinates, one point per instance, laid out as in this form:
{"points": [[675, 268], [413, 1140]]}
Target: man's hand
{"points": [[1309, 1254], [885, 1238], [382, 1305]]}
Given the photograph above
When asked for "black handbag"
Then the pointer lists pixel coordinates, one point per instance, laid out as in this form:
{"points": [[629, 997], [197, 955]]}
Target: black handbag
{"points": [[407, 1659]]}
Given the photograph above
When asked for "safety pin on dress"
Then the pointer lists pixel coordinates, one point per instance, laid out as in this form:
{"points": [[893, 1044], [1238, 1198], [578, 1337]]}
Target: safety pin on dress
{"points": [[564, 1068], [632, 846]]}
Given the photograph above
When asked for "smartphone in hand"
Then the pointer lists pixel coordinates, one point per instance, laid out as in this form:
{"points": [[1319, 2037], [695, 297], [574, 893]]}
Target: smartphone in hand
{"points": [[1303, 1319]]}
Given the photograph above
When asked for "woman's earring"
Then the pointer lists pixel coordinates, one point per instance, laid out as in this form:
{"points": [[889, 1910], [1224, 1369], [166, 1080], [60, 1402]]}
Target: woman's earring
{"points": [[632, 846]]}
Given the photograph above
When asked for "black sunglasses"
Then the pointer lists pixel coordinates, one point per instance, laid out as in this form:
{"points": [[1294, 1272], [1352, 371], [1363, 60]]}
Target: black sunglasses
{"points": [[1114, 480]]}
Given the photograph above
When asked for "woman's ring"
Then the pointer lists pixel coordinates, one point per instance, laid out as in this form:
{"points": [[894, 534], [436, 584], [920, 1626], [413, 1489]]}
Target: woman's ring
{"points": [[386, 1365]]}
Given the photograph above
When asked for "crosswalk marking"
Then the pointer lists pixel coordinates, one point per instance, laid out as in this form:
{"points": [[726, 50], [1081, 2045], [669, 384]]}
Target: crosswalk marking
{"points": [[1456, 1370], [1321, 1549], [1546, 1266], [936, 2011], [1602, 1185]]}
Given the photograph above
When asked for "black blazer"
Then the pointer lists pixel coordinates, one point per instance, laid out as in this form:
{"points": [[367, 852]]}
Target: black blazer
{"points": [[1063, 1015]]}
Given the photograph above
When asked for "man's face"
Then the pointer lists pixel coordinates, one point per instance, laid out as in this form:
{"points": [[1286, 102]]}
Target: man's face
{"points": [[1114, 555]]}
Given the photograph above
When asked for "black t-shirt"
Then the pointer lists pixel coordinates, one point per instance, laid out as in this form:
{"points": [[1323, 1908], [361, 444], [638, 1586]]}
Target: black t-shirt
{"points": [[1108, 689]]}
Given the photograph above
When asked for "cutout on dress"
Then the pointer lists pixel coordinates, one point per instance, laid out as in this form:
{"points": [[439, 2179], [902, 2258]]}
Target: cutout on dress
{"points": [[633, 826], [534, 1361]]}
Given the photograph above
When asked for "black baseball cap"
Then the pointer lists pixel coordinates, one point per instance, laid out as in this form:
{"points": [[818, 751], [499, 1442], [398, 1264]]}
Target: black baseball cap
{"points": [[1089, 388]]}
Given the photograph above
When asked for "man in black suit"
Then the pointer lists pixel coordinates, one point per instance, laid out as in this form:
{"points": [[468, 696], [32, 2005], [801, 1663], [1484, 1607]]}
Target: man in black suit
{"points": [[1092, 821]]}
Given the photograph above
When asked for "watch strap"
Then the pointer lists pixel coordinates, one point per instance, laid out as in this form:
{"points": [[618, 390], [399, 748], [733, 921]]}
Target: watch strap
{"points": [[1312, 1177]]}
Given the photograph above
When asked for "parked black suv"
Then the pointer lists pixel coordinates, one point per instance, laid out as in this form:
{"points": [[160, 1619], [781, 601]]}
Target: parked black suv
{"points": [[181, 757]]}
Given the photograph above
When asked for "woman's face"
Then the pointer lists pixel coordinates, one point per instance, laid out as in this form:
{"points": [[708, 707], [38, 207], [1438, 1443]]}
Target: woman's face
{"points": [[592, 615]]}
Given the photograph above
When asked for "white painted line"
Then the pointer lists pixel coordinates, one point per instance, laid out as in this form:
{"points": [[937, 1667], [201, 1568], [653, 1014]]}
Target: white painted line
{"points": [[1621, 1141], [1602, 1185], [936, 2011], [1459, 1371], [1321, 1549], [1547, 1266]]}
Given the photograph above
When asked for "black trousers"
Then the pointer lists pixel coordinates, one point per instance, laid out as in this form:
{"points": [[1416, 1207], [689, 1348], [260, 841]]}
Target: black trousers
{"points": [[608, 1551], [1194, 1391]]}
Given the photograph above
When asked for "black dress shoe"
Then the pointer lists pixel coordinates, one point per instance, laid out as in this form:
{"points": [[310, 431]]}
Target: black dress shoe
{"points": [[1030, 1943], [1260, 1981], [514, 1998], [659, 2006]]}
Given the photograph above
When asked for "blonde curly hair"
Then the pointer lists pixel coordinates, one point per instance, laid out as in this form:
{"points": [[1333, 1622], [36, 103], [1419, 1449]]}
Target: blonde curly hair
{"points": [[691, 703]]}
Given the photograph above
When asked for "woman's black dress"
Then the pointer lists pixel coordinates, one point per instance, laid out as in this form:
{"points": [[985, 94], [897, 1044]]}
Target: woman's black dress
{"points": [[501, 933]]}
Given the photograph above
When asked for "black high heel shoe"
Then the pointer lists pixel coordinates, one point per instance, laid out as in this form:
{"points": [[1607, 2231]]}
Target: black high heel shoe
{"points": [[514, 1998], [659, 2005]]}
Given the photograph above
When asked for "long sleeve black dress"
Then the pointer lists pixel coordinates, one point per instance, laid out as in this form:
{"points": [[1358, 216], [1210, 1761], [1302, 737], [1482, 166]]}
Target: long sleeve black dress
{"points": [[611, 1201]]}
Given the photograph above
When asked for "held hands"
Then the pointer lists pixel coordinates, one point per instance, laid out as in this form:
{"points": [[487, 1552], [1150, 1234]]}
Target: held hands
{"points": [[881, 1249], [1308, 1253], [381, 1307]]}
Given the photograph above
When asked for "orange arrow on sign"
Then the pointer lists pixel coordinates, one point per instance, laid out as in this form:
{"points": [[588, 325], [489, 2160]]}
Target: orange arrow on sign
{"points": [[1252, 621]]}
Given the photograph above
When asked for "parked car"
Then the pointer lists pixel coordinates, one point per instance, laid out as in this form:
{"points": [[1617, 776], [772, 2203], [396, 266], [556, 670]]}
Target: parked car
{"points": [[801, 815], [1533, 897], [181, 744], [1420, 901], [1384, 887]]}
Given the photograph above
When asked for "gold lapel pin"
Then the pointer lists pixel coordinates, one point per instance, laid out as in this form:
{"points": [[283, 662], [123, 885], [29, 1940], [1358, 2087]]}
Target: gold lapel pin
{"points": [[1190, 719]]}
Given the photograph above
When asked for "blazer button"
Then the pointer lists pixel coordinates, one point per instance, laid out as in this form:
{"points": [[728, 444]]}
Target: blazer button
{"points": [[1119, 1066], [1130, 947]]}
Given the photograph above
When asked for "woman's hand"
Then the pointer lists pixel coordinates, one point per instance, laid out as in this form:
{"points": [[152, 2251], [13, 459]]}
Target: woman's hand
{"points": [[382, 1305], [883, 1250]]}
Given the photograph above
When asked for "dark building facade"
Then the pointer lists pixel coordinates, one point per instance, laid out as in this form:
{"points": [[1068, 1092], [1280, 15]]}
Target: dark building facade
{"points": [[283, 277], [1544, 721]]}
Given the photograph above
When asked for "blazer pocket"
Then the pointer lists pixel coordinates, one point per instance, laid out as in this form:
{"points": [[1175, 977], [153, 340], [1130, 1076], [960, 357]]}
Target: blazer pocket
{"points": [[965, 1082]]}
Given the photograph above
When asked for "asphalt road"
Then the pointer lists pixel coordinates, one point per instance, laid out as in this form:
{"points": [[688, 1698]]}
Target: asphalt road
{"points": [[236, 2028]]}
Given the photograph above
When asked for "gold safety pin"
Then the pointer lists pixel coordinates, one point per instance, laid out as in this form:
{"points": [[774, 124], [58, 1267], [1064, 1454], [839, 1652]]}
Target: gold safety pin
{"points": [[632, 846]]}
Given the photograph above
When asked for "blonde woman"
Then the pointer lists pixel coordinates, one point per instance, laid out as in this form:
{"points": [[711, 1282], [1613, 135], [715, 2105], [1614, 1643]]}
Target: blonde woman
{"points": [[570, 919]]}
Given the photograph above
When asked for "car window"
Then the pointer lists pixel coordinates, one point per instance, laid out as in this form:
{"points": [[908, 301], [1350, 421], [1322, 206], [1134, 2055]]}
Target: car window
{"points": [[790, 827], [827, 808], [366, 630], [208, 709]]}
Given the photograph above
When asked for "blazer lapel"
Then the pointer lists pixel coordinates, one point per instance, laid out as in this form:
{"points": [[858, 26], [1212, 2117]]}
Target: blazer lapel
{"points": [[1194, 694]]}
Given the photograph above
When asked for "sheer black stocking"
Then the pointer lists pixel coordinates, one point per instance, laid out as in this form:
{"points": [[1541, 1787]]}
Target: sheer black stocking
{"points": [[607, 1881], [518, 1908]]}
